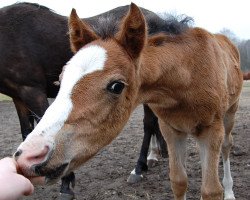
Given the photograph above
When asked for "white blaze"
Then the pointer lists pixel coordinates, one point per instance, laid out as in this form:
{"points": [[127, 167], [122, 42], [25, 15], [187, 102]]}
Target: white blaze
{"points": [[85, 61]]}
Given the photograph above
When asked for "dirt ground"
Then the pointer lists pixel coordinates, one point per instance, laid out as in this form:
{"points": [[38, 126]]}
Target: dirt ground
{"points": [[104, 177]]}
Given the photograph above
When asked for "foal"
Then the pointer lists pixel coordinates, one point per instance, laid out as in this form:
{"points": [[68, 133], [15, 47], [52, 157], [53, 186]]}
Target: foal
{"points": [[192, 82]]}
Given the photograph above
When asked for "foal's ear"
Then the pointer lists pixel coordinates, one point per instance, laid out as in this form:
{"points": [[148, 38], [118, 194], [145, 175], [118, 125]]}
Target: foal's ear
{"points": [[133, 32], [80, 32]]}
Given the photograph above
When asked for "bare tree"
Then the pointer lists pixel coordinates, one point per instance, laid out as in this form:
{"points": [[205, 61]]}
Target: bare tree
{"points": [[243, 46], [231, 35]]}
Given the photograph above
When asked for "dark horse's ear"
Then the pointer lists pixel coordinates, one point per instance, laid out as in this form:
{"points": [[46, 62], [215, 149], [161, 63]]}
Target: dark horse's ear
{"points": [[133, 33], [80, 32]]}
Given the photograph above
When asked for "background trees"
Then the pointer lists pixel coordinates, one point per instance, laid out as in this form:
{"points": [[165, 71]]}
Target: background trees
{"points": [[243, 46]]}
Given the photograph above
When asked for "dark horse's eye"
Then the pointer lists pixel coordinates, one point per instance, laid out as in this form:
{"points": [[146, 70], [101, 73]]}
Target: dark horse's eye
{"points": [[116, 87]]}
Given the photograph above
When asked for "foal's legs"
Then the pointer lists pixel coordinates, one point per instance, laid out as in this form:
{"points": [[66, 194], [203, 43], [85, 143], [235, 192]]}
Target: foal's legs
{"points": [[65, 190], [226, 147], [210, 140], [176, 143]]}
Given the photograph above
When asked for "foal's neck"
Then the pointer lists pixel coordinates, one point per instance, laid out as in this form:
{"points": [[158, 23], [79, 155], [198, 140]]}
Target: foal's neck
{"points": [[164, 72]]}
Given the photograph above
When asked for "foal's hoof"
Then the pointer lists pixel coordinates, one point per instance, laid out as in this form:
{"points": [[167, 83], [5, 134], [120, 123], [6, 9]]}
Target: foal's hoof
{"points": [[134, 178], [64, 196], [152, 163], [229, 198]]}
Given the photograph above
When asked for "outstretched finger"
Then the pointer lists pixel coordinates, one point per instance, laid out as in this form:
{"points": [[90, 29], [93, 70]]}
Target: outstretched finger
{"points": [[26, 185]]}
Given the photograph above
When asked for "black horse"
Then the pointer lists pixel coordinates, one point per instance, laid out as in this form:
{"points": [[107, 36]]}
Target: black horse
{"points": [[34, 47]]}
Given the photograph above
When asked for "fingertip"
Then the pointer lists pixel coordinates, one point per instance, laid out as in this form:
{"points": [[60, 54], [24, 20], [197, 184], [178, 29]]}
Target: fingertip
{"points": [[28, 187], [29, 190]]}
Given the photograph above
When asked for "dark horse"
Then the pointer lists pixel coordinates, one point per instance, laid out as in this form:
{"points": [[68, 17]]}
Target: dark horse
{"points": [[34, 48]]}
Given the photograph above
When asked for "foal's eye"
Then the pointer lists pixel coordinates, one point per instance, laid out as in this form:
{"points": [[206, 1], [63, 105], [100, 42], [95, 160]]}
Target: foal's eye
{"points": [[116, 87]]}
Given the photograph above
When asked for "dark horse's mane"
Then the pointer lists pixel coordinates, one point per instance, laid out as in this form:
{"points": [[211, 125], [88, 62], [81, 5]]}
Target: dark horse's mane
{"points": [[36, 5], [106, 25]]}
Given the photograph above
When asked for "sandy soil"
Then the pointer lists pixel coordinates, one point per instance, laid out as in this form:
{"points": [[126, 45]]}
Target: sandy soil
{"points": [[104, 177]]}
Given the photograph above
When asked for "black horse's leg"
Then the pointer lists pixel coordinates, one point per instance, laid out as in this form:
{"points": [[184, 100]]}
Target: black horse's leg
{"points": [[26, 120], [148, 121], [158, 146], [36, 101], [38, 105]]}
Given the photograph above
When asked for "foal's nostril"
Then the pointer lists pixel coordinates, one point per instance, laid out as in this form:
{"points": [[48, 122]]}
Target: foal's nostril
{"points": [[18, 153], [39, 156]]}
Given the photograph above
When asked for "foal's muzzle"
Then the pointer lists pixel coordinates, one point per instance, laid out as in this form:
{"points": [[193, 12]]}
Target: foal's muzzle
{"points": [[52, 174]]}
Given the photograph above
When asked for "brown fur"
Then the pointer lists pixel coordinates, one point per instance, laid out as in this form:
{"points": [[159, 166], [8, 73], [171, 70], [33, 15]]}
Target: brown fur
{"points": [[79, 35], [192, 82], [183, 81], [135, 26]]}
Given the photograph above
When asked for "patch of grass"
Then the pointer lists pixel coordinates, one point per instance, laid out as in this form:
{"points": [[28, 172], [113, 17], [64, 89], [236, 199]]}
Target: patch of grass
{"points": [[4, 98]]}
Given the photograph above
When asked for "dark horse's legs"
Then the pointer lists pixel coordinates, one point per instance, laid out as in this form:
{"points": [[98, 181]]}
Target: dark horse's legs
{"points": [[151, 134], [26, 119], [34, 108]]}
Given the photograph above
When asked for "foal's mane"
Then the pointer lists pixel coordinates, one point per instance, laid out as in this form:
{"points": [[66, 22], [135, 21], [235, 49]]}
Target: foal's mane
{"points": [[108, 25], [169, 24]]}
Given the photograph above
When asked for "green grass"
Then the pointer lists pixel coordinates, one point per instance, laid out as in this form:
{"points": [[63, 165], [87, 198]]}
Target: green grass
{"points": [[4, 98]]}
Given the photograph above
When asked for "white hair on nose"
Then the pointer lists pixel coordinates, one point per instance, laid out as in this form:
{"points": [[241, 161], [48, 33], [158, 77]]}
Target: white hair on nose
{"points": [[85, 61]]}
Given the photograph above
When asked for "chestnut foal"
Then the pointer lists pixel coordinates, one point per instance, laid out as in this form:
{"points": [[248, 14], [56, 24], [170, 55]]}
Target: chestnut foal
{"points": [[192, 82]]}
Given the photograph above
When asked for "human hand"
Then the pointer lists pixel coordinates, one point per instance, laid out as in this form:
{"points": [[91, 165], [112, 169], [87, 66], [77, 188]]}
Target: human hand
{"points": [[13, 185]]}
